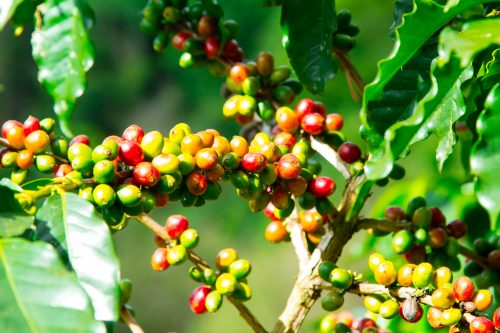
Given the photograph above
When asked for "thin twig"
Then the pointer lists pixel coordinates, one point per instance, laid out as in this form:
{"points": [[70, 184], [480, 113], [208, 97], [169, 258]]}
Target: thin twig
{"points": [[130, 321], [298, 239], [401, 293], [350, 70], [473, 256], [330, 155], [159, 230], [247, 316]]}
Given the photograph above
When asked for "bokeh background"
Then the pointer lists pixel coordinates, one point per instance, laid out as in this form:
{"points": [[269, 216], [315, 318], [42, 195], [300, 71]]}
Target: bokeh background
{"points": [[130, 83]]}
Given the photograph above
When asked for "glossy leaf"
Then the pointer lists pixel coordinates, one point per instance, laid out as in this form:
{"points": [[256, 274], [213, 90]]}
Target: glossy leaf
{"points": [[14, 224], [71, 224], [8, 189], [307, 28], [7, 9], [401, 7], [485, 156], [37, 183], [38, 294], [456, 50], [63, 53], [426, 18], [492, 75]]}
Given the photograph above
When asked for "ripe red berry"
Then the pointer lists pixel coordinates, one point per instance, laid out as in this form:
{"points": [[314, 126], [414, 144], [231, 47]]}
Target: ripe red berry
{"points": [[320, 108], [304, 107], [207, 26], [438, 219], [313, 123], [232, 51], [130, 152], [349, 152], [212, 47], [239, 72], [179, 40], [456, 229], [30, 125], [463, 289], [133, 133], [289, 166], [481, 325], [416, 255], [285, 139], [322, 186], [334, 122], [254, 162], [196, 183], [82, 138], [496, 318], [9, 124], [394, 214], [176, 225], [363, 323], [62, 170], [437, 238], [269, 211], [159, 260], [197, 299], [287, 119], [146, 174]]}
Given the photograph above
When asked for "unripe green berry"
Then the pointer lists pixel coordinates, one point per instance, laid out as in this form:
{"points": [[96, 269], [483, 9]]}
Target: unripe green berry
{"points": [[177, 255], [104, 195], [104, 172], [129, 195]]}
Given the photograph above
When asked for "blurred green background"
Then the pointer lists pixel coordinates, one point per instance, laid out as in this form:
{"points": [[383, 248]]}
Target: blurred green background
{"points": [[130, 83]]}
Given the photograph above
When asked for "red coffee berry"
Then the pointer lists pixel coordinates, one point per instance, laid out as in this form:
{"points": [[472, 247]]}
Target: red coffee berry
{"points": [[463, 289], [320, 108], [304, 107], [30, 125], [456, 229], [269, 211], [82, 138], [275, 232], [212, 47], [133, 133], [289, 166], [363, 323], [496, 318], [322, 186], [239, 72], [146, 174], [62, 170], [287, 119], [285, 139], [438, 219], [176, 225], [416, 255], [394, 214], [159, 260], [179, 40], [254, 162], [196, 183], [494, 259], [130, 152], [232, 51], [9, 124], [437, 238], [197, 299], [349, 152], [207, 26], [334, 122], [313, 123], [481, 325]]}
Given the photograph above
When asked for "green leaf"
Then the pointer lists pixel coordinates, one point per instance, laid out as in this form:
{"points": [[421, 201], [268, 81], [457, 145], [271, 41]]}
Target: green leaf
{"points": [[401, 7], [7, 9], [307, 28], [38, 294], [456, 50], [14, 224], [71, 224], [492, 75], [63, 53], [377, 114], [442, 121], [8, 189], [37, 183], [485, 156]]}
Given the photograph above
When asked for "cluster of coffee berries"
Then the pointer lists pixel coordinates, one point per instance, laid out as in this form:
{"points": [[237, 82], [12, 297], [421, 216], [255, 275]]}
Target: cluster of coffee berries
{"points": [[340, 278], [29, 146], [488, 249], [429, 238], [254, 84], [229, 280], [343, 38], [345, 322], [138, 171], [175, 252], [196, 29], [449, 302]]}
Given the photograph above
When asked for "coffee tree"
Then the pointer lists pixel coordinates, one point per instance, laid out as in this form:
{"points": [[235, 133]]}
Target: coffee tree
{"points": [[59, 271]]}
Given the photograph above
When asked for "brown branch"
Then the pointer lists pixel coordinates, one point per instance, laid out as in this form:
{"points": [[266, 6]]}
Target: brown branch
{"points": [[351, 73], [330, 155], [160, 231], [247, 316], [382, 225], [298, 239], [130, 321], [401, 293], [473, 256]]}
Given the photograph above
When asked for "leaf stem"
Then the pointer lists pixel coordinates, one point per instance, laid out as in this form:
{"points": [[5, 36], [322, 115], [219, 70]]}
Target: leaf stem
{"points": [[330, 155], [130, 320], [298, 239]]}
